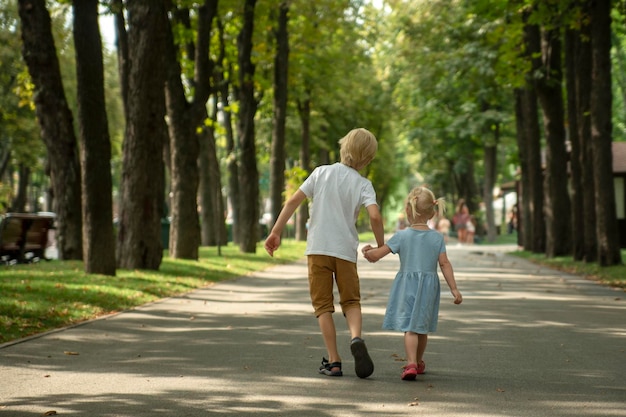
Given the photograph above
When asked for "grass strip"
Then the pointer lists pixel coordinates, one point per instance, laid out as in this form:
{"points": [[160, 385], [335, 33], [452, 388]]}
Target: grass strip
{"points": [[36, 298], [612, 276]]}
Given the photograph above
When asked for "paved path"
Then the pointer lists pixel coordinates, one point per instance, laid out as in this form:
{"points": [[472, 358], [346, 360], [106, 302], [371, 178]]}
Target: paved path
{"points": [[527, 341]]}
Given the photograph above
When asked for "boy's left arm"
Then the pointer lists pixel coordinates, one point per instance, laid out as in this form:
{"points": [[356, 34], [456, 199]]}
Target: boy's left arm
{"points": [[376, 223]]}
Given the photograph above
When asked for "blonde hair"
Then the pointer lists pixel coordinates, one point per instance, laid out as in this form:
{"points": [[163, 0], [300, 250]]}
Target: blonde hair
{"points": [[358, 148], [422, 203]]}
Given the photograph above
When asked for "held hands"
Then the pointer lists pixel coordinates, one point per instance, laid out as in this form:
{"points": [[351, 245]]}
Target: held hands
{"points": [[369, 253], [458, 298]]}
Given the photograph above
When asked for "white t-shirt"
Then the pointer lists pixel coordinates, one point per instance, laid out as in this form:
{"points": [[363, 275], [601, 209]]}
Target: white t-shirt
{"points": [[337, 192]]}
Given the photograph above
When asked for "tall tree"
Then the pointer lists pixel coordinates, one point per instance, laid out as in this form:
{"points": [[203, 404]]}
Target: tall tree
{"points": [[601, 135], [549, 92], [95, 145], [281, 66], [55, 120], [523, 221], [248, 172], [141, 203], [185, 118], [532, 142], [213, 227], [223, 84], [583, 66]]}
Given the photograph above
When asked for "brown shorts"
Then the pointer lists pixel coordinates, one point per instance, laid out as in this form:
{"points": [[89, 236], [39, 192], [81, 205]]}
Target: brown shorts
{"points": [[323, 270]]}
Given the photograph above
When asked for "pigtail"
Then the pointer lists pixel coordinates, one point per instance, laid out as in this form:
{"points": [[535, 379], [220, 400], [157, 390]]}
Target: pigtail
{"points": [[440, 206]]}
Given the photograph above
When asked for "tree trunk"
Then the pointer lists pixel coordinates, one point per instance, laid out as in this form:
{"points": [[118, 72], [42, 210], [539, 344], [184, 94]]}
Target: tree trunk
{"points": [[572, 41], [18, 204], [536, 217], [524, 232], [281, 66], [55, 120], [232, 147], [466, 184], [601, 127], [213, 228], [557, 205], [490, 161], [248, 173], [121, 42], [184, 120], [304, 110], [95, 145], [583, 92], [142, 182]]}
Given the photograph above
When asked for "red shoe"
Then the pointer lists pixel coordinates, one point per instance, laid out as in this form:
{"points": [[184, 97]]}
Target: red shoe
{"points": [[421, 367], [410, 372]]}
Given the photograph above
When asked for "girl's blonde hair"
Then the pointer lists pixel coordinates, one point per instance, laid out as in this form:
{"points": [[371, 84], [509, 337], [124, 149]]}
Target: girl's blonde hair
{"points": [[358, 148], [422, 203]]}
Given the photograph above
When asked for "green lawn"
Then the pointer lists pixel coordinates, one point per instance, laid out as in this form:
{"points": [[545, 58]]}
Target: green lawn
{"points": [[39, 297]]}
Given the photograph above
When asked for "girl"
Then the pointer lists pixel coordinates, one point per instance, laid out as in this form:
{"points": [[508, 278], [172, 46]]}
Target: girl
{"points": [[413, 305]]}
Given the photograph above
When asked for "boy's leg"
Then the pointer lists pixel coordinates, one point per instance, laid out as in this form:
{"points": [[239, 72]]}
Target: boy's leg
{"points": [[329, 333], [355, 322], [321, 273], [350, 300]]}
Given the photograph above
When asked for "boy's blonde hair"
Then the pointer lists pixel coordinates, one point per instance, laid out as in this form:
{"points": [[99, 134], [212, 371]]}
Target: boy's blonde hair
{"points": [[422, 203], [358, 148]]}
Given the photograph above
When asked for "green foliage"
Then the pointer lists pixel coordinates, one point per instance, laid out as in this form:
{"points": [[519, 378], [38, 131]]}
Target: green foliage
{"points": [[294, 177], [47, 295], [453, 81]]}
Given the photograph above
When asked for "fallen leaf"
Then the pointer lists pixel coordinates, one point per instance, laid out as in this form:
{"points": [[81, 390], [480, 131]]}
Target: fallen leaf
{"points": [[67, 352], [499, 390], [50, 413], [413, 404], [46, 376]]}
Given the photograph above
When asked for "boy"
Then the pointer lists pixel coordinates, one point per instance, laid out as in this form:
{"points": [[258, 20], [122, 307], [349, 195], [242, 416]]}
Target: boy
{"points": [[337, 192]]}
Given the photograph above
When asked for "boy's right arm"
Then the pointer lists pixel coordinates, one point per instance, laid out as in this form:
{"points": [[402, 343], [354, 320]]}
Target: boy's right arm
{"points": [[273, 240]]}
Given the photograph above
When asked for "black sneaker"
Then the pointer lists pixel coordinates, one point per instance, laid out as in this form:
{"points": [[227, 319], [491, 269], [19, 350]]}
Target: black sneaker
{"points": [[363, 365], [326, 368]]}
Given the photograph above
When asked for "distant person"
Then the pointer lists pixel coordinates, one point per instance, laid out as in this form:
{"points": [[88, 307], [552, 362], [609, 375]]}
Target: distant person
{"points": [[460, 220], [401, 224], [511, 225], [413, 306], [443, 227], [470, 230], [337, 191]]}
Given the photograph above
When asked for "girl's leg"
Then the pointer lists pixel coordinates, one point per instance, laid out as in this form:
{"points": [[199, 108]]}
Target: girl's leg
{"points": [[422, 341], [411, 346]]}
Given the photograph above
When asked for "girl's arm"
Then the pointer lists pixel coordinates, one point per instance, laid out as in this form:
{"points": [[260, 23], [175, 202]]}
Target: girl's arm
{"points": [[448, 274], [375, 254]]}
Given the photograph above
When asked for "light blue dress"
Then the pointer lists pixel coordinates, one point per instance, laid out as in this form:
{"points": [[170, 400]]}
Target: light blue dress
{"points": [[413, 304]]}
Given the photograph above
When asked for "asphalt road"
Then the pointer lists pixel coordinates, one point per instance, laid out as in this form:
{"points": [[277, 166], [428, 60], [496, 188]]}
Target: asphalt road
{"points": [[527, 341]]}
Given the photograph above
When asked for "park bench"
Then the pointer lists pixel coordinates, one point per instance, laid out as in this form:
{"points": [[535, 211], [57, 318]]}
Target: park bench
{"points": [[24, 237]]}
